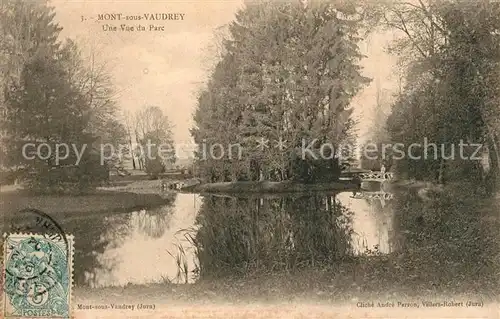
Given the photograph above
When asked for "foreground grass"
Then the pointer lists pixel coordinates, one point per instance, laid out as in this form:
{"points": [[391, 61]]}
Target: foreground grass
{"points": [[308, 285]]}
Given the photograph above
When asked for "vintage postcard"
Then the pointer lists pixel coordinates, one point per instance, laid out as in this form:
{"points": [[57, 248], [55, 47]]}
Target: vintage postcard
{"points": [[250, 158]]}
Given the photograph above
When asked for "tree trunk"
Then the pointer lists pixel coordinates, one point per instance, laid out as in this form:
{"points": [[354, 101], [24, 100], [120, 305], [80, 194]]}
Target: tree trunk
{"points": [[493, 136], [495, 148], [441, 173], [133, 162]]}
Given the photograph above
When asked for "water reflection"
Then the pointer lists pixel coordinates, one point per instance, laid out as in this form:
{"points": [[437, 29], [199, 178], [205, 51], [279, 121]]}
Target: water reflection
{"points": [[421, 244], [134, 248], [280, 232], [435, 242], [237, 234], [372, 221], [151, 223]]}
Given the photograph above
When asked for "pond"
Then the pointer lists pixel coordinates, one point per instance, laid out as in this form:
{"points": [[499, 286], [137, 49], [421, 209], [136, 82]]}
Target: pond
{"points": [[441, 240]]}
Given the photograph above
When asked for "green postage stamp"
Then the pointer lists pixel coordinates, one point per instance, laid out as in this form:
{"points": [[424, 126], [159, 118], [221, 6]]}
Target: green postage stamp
{"points": [[37, 276]]}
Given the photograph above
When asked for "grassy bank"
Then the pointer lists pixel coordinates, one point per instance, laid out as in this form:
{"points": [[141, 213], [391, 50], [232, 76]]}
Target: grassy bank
{"points": [[313, 285], [96, 202], [138, 187]]}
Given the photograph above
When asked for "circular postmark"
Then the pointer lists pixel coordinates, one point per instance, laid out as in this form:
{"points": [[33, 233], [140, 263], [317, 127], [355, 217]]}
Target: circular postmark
{"points": [[31, 220], [35, 264], [36, 274]]}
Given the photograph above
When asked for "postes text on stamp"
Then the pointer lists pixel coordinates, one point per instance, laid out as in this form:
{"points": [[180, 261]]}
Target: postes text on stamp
{"points": [[37, 276]]}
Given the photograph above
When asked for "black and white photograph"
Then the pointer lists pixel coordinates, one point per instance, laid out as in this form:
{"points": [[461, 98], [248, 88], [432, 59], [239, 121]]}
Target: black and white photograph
{"points": [[250, 159]]}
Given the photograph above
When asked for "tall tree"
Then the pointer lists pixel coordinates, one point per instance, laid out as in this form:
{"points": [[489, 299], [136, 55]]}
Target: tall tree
{"points": [[129, 127], [288, 74], [46, 102], [154, 133], [453, 48]]}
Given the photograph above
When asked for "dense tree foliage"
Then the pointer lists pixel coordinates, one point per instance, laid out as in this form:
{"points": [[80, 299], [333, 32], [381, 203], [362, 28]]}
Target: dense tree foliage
{"points": [[154, 136], [52, 96], [288, 73], [450, 52]]}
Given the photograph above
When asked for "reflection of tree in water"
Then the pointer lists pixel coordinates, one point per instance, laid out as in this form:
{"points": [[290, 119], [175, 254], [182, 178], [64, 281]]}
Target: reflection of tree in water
{"points": [[153, 222], [446, 243], [383, 213], [91, 240], [443, 243], [240, 235], [94, 235]]}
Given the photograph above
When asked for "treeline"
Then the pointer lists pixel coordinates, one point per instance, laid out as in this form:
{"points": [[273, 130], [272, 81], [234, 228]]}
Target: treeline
{"points": [[451, 65], [54, 94], [287, 72]]}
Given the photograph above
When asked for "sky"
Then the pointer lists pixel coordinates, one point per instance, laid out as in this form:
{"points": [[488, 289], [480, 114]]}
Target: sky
{"points": [[168, 68]]}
